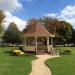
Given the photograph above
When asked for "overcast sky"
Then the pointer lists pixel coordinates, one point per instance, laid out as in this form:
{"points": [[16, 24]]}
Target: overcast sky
{"points": [[20, 11]]}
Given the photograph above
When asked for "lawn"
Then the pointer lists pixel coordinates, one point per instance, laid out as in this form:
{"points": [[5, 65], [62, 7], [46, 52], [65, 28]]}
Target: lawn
{"points": [[64, 65], [14, 65]]}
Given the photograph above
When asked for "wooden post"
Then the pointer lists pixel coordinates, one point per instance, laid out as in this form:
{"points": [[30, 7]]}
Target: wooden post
{"points": [[36, 44], [48, 44], [52, 43], [25, 42]]}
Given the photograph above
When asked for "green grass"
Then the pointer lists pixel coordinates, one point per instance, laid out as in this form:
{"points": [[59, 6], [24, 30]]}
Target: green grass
{"points": [[14, 65], [64, 65]]}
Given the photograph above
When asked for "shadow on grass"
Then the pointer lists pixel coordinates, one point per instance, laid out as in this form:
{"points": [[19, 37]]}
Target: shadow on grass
{"points": [[9, 53]]}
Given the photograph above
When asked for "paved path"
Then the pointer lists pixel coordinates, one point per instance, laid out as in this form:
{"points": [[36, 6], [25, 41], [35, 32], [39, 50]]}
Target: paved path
{"points": [[38, 66]]}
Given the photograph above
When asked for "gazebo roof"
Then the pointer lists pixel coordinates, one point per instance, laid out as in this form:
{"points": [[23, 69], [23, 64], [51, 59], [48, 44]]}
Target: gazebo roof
{"points": [[36, 30]]}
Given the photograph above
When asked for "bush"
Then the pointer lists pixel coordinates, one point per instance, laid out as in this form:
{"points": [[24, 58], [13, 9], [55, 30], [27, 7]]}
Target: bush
{"points": [[18, 52], [65, 52]]}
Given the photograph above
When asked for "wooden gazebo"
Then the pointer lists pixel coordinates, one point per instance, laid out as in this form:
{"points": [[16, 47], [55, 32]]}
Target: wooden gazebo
{"points": [[35, 31]]}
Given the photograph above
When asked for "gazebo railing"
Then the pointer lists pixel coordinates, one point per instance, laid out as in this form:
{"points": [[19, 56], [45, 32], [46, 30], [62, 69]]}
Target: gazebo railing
{"points": [[53, 51], [29, 48]]}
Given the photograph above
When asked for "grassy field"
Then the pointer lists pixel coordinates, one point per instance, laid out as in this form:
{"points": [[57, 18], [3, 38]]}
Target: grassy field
{"points": [[14, 65], [64, 65]]}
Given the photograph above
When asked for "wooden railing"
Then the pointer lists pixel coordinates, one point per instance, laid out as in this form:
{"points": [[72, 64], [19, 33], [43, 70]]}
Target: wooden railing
{"points": [[29, 48], [53, 51]]}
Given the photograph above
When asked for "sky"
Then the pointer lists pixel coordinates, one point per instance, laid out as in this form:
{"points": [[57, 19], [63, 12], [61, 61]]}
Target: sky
{"points": [[19, 11]]}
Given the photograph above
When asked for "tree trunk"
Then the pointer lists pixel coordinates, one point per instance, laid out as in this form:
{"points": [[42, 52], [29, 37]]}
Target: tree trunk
{"points": [[68, 44], [64, 44]]}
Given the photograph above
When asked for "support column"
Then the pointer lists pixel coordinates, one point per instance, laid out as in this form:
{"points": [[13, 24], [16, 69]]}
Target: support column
{"points": [[25, 42], [48, 44], [36, 44], [52, 43]]}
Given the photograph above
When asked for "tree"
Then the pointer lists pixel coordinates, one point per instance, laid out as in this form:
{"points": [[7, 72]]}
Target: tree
{"points": [[2, 17], [73, 37], [65, 31], [61, 29], [32, 21], [12, 34]]}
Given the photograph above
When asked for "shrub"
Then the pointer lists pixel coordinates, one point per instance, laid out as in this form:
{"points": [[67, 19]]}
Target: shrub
{"points": [[18, 52], [65, 52]]}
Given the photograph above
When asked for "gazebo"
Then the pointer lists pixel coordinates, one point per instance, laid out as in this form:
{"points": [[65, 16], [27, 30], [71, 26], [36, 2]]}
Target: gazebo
{"points": [[35, 31]]}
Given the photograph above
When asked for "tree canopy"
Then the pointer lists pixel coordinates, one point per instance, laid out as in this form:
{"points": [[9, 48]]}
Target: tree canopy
{"points": [[61, 29], [73, 37], [12, 34], [2, 17]]}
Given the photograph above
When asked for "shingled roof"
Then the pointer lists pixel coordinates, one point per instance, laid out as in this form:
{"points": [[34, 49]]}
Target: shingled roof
{"points": [[36, 30]]}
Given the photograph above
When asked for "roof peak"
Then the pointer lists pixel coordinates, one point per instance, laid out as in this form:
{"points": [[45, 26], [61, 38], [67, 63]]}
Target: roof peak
{"points": [[36, 29]]}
